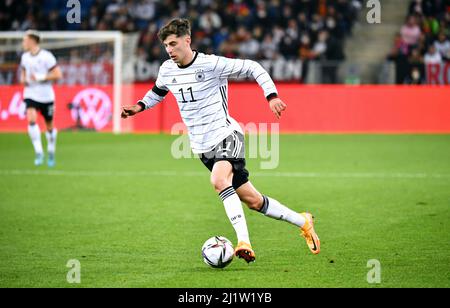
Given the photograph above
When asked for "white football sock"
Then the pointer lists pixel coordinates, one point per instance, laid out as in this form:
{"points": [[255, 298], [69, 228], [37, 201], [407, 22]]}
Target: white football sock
{"points": [[274, 209], [35, 134], [51, 140], [235, 213]]}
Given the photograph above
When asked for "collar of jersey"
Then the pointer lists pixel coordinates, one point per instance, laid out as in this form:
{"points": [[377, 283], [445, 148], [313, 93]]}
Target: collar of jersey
{"points": [[190, 63], [36, 53]]}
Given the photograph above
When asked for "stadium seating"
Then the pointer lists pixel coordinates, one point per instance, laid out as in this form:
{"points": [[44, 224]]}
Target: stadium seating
{"points": [[422, 45], [306, 30]]}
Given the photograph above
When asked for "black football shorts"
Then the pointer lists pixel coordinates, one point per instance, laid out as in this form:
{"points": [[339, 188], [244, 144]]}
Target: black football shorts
{"points": [[231, 149], [46, 109]]}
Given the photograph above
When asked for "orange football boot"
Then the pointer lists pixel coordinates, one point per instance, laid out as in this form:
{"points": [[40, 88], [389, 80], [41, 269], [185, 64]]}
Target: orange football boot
{"points": [[307, 231], [245, 251]]}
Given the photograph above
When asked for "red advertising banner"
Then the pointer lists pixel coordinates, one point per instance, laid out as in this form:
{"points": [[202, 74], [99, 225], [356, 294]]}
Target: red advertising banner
{"points": [[311, 109], [438, 73], [89, 107], [328, 109]]}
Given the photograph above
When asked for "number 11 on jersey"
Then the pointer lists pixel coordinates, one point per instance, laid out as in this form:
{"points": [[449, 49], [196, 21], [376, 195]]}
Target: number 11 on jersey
{"points": [[192, 95]]}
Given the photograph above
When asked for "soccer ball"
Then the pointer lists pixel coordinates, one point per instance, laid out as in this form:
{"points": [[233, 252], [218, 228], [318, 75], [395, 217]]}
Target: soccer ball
{"points": [[218, 252]]}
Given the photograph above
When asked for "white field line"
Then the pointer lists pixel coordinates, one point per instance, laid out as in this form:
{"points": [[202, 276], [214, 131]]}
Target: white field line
{"points": [[332, 175]]}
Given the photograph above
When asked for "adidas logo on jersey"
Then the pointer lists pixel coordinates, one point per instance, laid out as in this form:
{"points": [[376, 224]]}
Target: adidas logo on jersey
{"points": [[174, 81]]}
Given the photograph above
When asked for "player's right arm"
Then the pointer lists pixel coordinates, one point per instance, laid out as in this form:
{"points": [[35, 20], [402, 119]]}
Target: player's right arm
{"points": [[151, 99], [23, 73], [23, 76], [129, 111]]}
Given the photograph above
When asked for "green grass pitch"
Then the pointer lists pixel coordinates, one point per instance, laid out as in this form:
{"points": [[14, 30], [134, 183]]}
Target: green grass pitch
{"points": [[136, 217]]}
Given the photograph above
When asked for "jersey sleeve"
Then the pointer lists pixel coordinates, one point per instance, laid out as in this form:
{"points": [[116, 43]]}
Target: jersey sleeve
{"points": [[51, 62], [155, 95], [238, 68]]}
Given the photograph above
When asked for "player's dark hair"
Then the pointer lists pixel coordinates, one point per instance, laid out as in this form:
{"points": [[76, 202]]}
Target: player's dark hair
{"points": [[34, 35], [177, 26]]}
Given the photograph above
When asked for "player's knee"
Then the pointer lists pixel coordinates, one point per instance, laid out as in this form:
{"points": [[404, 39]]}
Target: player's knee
{"points": [[49, 125], [220, 183], [254, 203], [31, 116]]}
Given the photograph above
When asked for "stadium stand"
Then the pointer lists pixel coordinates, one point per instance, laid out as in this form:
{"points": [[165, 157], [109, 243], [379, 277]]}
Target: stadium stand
{"points": [[288, 29], [422, 41]]}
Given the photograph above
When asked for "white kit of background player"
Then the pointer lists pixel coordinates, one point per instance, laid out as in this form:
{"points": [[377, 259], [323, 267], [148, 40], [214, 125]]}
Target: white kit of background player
{"points": [[38, 70]]}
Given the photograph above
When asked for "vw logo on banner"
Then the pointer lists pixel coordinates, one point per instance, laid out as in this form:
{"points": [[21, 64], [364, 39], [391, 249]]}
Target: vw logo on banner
{"points": [[93, 106]]}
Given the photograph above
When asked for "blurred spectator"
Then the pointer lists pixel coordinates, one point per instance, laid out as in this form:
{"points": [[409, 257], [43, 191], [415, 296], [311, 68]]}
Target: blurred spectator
{"points": [[431, 25], [415, 7], [334, 54], [268, 47], [399, 54], [219, 37], [249, 47], [114, 7], [424, 35], [415, 77], [432, 56], [443, 46], [425, 7], [410, 31], [305, 51], [306, 54], [142, 12], [94, 17], [416, 62], [320, 47], [210, 21], [294, 30]]}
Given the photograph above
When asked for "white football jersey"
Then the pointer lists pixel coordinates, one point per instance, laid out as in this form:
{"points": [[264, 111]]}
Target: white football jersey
{"points": [[201, 91], [41, 63]]}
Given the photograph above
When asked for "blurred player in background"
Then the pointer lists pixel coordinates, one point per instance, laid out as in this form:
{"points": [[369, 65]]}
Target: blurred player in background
{"points": [[199, 83], [39, 70]]}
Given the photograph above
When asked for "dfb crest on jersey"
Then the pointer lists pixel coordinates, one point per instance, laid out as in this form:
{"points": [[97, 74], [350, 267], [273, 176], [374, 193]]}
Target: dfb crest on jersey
{"points": [[199, 75]]}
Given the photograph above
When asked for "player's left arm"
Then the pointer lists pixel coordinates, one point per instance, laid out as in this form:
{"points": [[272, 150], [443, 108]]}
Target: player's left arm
{"points": [[277, 106], [238, 68], [54, 72], [54, 75]]}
